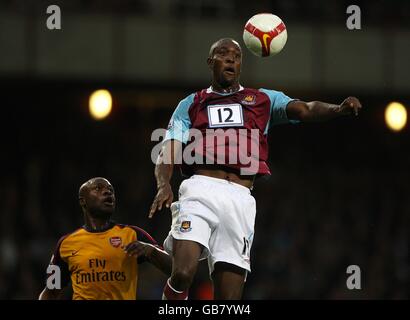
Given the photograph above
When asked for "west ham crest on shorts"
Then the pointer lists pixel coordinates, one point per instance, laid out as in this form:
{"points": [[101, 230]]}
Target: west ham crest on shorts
{"points": [[185, 226], [115, 241]]}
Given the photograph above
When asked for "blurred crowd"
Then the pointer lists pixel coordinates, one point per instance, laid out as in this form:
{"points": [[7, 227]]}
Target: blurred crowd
{"points": [[338, 196]]}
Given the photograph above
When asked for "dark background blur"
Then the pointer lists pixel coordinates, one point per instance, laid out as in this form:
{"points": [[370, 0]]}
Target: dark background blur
{"points": [[338, 195]]}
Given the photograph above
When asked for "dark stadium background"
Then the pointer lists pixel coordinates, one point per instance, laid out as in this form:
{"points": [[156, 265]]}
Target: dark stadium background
{"points": [[338, 195]]}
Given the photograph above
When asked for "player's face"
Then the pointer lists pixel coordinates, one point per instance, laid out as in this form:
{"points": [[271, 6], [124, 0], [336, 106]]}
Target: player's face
{"points": [[226, 64], [100, 199]]}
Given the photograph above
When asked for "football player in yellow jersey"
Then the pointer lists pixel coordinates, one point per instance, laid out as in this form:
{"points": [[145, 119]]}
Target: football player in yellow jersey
{"points": [[101, 258]]}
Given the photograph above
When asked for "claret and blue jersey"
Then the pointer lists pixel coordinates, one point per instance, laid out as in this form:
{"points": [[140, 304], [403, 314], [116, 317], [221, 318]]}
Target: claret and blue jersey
{"points": [[244, 109]]}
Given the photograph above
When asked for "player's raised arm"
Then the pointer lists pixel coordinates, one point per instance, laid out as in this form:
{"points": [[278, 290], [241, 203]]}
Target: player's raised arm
{"points": [[321, 111], [163, 173], [177, 134]]}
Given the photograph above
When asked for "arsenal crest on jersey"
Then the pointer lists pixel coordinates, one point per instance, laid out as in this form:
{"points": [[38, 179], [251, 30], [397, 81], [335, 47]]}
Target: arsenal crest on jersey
{"points": [[249, 99], [115, 241]]}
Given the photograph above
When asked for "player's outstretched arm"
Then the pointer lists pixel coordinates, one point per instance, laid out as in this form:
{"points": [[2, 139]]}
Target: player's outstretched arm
{"points": [[153, 254], [322, 111], [163, 173]]}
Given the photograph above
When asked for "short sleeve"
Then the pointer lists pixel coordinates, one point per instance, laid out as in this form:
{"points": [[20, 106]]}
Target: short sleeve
{"points": [[279, 102], [63, 266], [180, 123]]}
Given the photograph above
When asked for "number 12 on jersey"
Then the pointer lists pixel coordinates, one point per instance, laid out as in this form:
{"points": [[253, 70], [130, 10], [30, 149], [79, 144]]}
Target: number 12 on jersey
{"points": [[225, 115]]}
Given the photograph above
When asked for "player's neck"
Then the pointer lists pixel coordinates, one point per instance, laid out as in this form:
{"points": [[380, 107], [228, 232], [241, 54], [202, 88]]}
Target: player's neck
{"points": [[216, 87], [97, 224]]}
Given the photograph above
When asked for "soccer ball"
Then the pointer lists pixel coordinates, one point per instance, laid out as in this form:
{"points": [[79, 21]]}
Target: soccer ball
{"points": [[265, 34]]}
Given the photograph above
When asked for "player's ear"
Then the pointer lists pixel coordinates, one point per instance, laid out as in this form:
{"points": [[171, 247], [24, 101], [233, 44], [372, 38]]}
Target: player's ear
{"points": [[210, 62], [82, 202]]}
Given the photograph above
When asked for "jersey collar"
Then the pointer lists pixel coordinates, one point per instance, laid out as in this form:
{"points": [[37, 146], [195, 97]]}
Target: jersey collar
{"points": [[210, 90], [108, 226]]}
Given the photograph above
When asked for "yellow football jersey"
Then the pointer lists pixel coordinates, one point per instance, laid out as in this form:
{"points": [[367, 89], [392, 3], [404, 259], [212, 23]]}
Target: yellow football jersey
{"points": [[97, 265]]}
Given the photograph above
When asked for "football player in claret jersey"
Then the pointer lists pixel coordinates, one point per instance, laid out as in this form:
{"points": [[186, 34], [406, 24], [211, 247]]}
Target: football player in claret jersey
{"points": [[101, 258], [215, 213]]}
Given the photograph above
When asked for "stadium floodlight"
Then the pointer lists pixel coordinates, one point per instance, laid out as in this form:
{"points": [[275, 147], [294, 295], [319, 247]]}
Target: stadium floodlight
{"points": [[100, 104], [395, 116]]}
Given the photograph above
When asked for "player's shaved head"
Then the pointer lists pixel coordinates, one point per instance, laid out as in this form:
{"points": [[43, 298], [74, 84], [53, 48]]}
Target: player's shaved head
{"points": [[221, 42], [224, 61], [97, 198], [85, 187]]}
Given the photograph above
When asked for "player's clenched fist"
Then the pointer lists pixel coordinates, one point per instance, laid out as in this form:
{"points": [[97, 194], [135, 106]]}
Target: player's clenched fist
{"points": [[350, 105], [164, 195]]}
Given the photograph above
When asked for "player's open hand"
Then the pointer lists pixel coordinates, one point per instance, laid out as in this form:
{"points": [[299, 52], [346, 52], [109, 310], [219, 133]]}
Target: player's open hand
{"points": [[164, 196], [138, 248], [350, 106]]}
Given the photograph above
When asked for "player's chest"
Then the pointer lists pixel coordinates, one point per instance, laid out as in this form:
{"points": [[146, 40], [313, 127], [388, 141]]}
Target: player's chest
{"points": [[240, 111], [101, 254]]}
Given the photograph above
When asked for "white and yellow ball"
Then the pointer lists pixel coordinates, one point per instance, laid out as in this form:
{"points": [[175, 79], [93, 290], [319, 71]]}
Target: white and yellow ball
{"points": [[265, 34]]}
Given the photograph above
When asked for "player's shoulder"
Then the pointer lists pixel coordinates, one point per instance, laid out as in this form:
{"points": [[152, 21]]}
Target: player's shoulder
{"points": [[269, 92], [140, 232], [190, 98], [68, 236], [247, 90], [130, 227], [251, 92], [185, 104], [275, 96], [134, 228]]}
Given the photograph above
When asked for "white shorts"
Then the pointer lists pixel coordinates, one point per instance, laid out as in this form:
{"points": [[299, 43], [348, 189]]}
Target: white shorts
{"points": [[218, 214]]}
